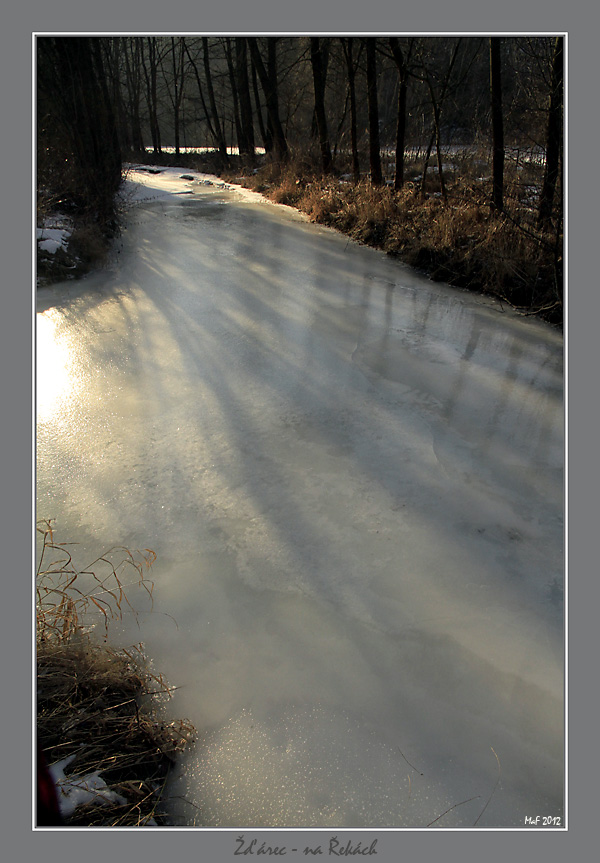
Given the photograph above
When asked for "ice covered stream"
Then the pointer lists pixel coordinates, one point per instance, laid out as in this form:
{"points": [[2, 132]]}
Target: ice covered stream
{"points": [[353, 481]]}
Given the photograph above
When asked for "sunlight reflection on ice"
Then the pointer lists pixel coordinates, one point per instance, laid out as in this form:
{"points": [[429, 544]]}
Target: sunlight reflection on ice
{"points": [[56, 379], [304, 772], [352, 478]]}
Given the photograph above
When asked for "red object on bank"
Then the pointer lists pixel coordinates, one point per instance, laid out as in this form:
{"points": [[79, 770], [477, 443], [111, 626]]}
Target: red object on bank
{"points": [[47, 810]]}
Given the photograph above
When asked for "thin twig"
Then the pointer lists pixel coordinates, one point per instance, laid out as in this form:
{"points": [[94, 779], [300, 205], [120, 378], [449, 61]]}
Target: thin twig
{"points": [[453, 807], [493, 789], [408, 762]]}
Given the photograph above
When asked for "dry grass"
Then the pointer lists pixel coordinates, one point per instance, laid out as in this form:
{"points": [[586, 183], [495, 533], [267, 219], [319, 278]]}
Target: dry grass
{"points": [[458, 240], [100, 705]]}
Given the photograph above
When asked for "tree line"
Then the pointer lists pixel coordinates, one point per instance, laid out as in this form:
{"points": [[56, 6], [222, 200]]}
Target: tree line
{"points": [[350, 99], [474, 122]]}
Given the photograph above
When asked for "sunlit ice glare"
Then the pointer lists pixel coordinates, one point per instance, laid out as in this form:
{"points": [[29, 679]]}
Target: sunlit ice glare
{"points": [[57, 378]]}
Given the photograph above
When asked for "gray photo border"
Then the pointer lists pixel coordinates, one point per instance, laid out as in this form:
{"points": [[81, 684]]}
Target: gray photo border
{"points": [[16, 352]]}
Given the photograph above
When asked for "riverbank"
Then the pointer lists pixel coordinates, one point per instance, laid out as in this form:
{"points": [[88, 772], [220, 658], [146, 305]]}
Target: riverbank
{"points": [[453, 237], [105, 746]]}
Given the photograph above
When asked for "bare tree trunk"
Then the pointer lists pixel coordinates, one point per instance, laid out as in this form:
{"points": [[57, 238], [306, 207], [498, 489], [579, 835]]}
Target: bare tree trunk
{"points": [[347, 45], [438, 151], [374, 152], [264, 134], [201, 95], [243, 86], [497, 125], [74, 85], [553, 137], [222, 146], [239, 135], [178, 79], [426, 162], [437, 102], [112, 51], [131, 54], [316, 60], [401, 120], [268, 80], [150, 75]]}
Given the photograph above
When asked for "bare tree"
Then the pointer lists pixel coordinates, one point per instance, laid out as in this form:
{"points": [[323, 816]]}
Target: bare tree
{"points": [[316, 59], [175, 84], [348, 48], [264, 132], [402, 67], [151, 77], [374, 151], [275, 136], [216, 123], [497, 124], [112, 50], [553, 137], [200, 89], [79, 111], [234, 92], [132, 48], [246, 143], [437, 94]]}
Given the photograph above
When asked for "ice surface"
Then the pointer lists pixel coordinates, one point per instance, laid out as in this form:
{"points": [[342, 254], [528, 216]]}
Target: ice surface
{"points": [[352, 478]]}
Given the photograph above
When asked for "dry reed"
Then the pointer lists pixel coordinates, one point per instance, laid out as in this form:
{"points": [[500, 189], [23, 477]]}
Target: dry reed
{"points": [[100, 705], [460, 240]]}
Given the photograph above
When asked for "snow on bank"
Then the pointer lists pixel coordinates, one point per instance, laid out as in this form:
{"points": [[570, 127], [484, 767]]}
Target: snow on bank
{"points": [[148, 183], [50, 240], [74, 790], [145, 183]]}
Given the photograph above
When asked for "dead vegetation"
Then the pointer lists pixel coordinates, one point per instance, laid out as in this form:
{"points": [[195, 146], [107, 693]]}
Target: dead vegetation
{"points": [[100, 711], [458, 239]]}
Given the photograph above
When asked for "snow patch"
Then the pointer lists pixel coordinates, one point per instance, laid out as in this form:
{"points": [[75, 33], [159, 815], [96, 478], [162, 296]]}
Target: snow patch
{"points": [[74, 790], [50, 240], [144, 184]]}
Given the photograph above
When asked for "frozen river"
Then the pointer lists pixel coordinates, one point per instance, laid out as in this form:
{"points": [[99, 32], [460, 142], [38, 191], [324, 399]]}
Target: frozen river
{"points": [[353, 481]]}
